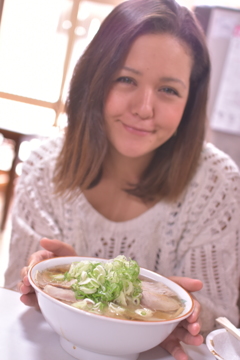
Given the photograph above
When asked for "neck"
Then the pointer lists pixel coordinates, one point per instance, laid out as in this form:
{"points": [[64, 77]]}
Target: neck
{"points": [[124, 169]]}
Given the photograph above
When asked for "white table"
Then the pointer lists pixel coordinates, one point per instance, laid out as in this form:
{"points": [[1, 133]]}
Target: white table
{"points": [[25, 335]]}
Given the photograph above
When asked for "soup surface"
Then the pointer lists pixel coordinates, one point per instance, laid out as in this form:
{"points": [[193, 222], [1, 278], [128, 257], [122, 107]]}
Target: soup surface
{"points": [[114, 289]]}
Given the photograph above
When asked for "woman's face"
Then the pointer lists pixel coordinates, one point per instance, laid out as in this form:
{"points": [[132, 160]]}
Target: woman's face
{"points": [[148, 95]]}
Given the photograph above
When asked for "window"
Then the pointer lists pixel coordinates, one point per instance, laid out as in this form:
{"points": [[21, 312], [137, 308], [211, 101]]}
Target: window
{"points": [[40, 42]]}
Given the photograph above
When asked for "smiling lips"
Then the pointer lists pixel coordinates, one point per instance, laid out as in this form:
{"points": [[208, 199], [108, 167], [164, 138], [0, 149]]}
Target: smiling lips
{"points": [[136, 131]]}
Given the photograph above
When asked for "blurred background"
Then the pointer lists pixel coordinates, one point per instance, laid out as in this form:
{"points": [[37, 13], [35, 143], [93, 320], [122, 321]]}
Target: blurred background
{"points": [[40, 42]]}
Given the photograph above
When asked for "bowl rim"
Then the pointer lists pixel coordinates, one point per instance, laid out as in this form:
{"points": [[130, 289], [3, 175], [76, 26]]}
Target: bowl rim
{"points": [[139, 322], [209, 340]]}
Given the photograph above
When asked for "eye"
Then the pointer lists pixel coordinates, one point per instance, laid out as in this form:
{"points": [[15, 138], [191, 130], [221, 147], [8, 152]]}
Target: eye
{"points": [[125, 80], [169, 90]]}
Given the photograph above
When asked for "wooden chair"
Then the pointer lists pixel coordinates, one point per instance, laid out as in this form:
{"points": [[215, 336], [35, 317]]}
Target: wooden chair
{"points": [[9, 187]]}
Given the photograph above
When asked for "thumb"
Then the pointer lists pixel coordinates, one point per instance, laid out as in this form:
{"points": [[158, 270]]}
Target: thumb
{"points": [[57, 247], [187, 283]]}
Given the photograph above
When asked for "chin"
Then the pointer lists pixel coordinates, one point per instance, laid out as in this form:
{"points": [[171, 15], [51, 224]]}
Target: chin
{"points": [[135, 153]]}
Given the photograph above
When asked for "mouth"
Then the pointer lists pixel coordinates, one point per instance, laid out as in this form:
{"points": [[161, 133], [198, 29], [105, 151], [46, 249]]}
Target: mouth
{"points": [[138, 131]]}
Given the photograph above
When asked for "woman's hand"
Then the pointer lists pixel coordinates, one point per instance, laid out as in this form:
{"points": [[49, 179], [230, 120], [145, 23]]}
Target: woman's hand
{"points": [[53, 248], [188, 330]]}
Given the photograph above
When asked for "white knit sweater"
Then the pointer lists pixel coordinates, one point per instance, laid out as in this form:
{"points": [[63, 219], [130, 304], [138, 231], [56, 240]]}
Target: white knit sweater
{"points": [[197, 236]]}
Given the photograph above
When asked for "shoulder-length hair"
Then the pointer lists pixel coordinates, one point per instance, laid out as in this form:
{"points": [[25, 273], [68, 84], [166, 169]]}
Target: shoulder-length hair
{"points": [[79, 164]]}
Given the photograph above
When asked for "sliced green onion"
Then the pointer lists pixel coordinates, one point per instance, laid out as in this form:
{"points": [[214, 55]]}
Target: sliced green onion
{"points": [[113, 281]]}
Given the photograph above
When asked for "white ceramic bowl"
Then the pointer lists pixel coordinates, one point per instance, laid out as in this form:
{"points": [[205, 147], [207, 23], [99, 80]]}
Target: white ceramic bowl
{"points": [[90, 336], [223, 345]]}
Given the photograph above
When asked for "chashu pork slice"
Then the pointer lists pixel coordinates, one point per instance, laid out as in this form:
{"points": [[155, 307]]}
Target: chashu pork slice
{"points": [[60, 294], [158, 296]]}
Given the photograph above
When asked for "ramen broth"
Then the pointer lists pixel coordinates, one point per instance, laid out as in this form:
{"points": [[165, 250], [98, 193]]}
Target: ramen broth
{"points": [[172, 307]]}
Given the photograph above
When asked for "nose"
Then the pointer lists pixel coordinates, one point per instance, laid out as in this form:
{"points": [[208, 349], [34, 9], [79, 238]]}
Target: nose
{"points": [[143, 104]]}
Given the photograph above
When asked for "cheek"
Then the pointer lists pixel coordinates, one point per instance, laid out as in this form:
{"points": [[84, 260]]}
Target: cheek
{"points": [[116, 103], [172, 115], [112, 110], [112, 104], [108, 101]]}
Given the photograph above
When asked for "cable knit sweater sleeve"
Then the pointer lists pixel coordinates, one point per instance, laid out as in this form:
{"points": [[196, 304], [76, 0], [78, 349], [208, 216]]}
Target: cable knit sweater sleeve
{"points": [[32, 216], [209, 245]]}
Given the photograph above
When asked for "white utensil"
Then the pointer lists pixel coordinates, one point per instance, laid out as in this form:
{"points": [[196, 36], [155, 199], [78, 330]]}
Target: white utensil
{"points": [[229, 327]]}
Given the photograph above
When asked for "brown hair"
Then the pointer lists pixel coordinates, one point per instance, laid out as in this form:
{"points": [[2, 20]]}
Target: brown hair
{"points": [[174, 163]]}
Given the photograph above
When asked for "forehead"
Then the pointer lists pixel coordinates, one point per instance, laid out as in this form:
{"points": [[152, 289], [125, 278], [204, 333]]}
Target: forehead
{"points": [[162, 51]]}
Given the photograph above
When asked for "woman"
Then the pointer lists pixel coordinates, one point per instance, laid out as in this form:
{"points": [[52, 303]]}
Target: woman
{"points": [[133, 175]]}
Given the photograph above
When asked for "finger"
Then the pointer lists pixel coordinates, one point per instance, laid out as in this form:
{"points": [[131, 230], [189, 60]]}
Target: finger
{"points": [[196, 312], [175, 349], [24, 272], [194, 329], [184, 336], [30, 300], [39, 256], [57, 247], [188, 283], [26, 281], [24, 289]]}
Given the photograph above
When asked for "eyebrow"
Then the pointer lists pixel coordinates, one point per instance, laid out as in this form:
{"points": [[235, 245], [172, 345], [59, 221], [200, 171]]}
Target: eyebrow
{"points": [[168, 79], [132, 70]]}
